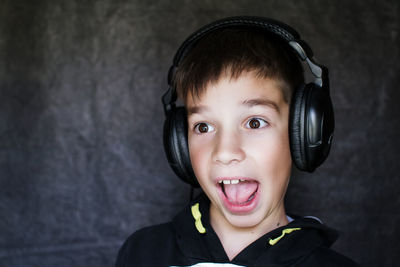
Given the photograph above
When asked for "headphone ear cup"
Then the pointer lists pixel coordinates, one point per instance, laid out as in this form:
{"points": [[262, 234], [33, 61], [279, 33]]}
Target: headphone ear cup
{"points": [[311, 126], [296, 128], [176, 145]]}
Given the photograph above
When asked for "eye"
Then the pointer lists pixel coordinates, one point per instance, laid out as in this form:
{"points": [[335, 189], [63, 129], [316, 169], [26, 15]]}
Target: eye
{"points": [[256, 123], [203, 127]]}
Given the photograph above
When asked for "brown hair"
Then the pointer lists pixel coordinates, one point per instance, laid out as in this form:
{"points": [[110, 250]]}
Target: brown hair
{"points": [[232, 51]]}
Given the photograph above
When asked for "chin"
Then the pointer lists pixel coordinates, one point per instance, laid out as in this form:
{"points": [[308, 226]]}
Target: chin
{"points": [[244, 220]]}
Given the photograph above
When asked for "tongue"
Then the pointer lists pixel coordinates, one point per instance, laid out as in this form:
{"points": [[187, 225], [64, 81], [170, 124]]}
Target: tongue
{"points": [[241, 192]]}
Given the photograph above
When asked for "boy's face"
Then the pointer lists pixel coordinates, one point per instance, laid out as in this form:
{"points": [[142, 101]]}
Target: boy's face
{"points": [[239, 149]]}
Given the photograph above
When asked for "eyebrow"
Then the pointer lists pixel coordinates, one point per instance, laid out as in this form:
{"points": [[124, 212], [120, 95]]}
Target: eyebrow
{"points": [[195, 109], [262, 102]]}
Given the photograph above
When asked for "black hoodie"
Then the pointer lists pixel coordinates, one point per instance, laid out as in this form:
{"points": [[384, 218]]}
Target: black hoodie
{"points": [[302, 242]]}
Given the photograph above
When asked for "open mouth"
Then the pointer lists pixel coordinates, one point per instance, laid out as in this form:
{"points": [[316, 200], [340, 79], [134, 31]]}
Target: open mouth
{"points": [[239, 192]]}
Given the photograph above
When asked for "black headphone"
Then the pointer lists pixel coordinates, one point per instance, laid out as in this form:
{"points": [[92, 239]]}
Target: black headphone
{"points": [[311, 122]]}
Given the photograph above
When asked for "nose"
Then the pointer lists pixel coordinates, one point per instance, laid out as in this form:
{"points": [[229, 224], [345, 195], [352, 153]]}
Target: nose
{"points": [[228, 148]]}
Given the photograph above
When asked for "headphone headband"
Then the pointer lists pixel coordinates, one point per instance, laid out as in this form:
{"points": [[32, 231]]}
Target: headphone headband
{"points": [[273, 26]]}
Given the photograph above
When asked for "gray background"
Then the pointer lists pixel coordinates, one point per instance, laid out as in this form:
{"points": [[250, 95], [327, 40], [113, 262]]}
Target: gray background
{"points": [[81, 157]]}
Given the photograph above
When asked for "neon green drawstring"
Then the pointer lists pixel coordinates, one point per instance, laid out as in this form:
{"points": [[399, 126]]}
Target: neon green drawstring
{"points": [[197, 217], [284, 232]]}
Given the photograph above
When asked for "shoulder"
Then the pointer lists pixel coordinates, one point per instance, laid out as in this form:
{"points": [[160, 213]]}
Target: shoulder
{"points": [[152, 233], [324, 256], [141, 246], [313, 243]]}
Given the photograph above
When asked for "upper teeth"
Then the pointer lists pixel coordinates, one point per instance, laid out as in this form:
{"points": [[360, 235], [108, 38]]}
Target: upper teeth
{"points": [[233, 181]]}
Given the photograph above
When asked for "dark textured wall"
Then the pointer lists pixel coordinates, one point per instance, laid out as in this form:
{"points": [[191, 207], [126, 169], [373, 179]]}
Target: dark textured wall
{"points": [[81, 158]]}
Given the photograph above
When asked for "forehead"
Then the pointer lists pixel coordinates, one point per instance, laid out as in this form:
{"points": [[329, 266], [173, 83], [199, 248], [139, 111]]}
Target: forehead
{"points": [[247, 90]]}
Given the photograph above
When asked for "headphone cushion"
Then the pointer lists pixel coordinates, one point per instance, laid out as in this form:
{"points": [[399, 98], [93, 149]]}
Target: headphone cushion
{"points": [[176, 145], [296, 127]]}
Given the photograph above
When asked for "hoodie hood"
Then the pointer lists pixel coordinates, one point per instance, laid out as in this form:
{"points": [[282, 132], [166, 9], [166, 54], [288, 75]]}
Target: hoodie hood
{"points": [[283, 246]]}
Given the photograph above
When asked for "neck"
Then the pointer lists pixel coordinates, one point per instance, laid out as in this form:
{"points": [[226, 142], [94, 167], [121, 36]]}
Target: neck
{"points": [[234, 239]]}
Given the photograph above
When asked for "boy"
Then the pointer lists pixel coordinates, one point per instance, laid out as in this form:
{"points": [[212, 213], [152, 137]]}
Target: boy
{"points": [[243, 122]]}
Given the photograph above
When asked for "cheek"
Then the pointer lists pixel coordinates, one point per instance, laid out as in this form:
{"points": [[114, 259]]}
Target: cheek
{"points": [[274, 164], [271, 151], [198, 156]]}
